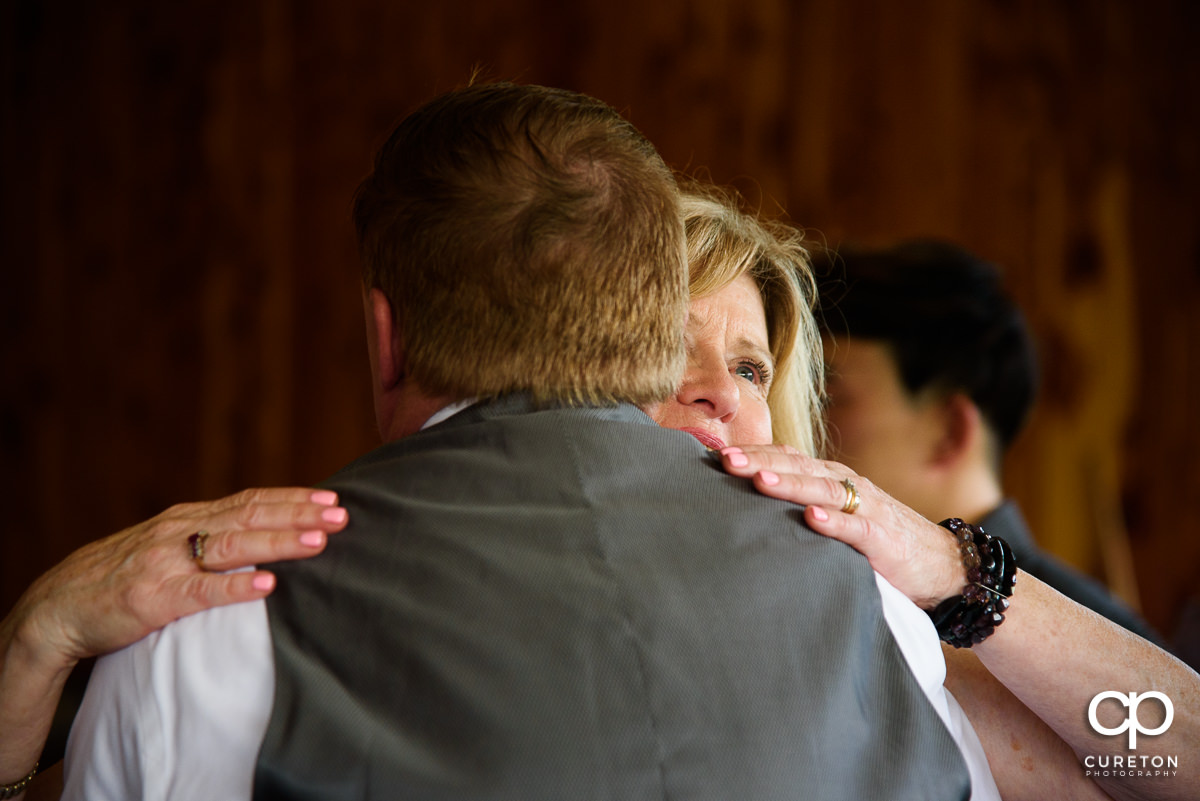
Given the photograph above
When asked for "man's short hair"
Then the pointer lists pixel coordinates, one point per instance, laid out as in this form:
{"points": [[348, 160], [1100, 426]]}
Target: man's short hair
{"points": [[946, 319], [529, 240]]}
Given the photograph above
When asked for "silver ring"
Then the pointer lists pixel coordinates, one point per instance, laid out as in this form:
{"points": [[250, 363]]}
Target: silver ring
{"points": [[196, 544]]}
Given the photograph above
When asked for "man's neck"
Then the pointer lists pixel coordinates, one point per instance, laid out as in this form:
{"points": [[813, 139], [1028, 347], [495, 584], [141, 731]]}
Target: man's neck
{"points": [[970, 495], [407, 411]]}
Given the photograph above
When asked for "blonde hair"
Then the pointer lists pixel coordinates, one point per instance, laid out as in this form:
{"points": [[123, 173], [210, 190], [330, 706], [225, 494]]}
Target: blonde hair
{"points": [[724, 243], [529, 240]]}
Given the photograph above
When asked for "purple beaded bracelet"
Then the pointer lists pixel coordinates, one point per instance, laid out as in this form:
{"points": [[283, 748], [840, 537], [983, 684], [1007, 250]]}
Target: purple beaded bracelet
{"points": [[970, 618]]}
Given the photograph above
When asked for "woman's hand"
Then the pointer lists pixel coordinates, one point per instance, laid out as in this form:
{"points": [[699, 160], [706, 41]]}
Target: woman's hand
{"points": [[919, 558], [114, 591]]}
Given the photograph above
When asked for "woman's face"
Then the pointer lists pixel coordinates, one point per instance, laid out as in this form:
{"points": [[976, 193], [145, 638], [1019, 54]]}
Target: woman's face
{"points": [[723, 398]]}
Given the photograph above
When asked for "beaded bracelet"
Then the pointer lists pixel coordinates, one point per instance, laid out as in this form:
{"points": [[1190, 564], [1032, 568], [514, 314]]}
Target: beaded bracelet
{"points": [[970, 618], [16, 788]]}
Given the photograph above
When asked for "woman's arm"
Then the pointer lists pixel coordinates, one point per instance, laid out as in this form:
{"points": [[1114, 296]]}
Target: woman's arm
{"points": [[1057, 656], [1052, 654], [114, 591], [1029, 761]]}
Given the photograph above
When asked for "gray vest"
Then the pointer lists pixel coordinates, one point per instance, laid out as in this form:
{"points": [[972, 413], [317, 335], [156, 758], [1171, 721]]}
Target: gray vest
{"points": [[578, 604]]}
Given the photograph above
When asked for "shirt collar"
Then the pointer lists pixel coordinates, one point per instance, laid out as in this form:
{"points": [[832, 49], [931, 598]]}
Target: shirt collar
{"points": [[446, 412]]}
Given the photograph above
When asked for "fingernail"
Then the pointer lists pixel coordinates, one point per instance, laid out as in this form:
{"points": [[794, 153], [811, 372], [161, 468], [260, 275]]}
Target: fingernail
{"points": [[313, 538], [334, 515], [768, 478], [324, 497], [819, 514], [264, 581], [738, 459], [731, 449]]}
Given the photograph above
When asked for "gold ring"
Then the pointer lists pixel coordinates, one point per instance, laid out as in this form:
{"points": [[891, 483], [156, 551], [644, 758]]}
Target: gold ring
{"points": [[196, 546], [852, 499]]}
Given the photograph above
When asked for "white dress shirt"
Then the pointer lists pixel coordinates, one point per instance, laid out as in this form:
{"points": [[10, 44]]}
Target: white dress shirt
{"points": [[181, 714]]}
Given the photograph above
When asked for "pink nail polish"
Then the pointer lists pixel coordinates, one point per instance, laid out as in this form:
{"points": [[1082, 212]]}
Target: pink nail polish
{"points": [[334, 515], [731, 449], [324, 497], [738, 459], [768, 478], [313, 539], [819, 514], [264, 582]]}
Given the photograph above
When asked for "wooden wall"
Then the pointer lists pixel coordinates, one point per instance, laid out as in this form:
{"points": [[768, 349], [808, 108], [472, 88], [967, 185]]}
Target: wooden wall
{"points": [[179, 294]]}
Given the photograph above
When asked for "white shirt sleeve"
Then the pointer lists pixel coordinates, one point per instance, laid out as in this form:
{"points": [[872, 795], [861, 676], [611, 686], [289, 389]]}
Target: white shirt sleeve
{"points": [[179, 715], [918, 641]]}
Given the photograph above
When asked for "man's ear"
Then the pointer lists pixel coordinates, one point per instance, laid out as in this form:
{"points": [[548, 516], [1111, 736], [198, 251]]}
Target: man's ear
{"points": [[962, 430], [387, 347]]}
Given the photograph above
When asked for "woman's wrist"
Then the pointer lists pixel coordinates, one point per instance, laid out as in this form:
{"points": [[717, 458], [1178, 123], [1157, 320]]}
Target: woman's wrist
{"points": [[990, 569], [16, 788], [27, 645], [943, 570], [33, 671]]}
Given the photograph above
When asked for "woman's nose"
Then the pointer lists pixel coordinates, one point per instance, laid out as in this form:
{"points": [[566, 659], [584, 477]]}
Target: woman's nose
{"points": [[711, 389]]}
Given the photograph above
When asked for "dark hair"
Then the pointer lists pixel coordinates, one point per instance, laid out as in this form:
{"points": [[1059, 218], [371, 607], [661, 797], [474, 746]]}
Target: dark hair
{"points": [[944, 314], [529, 240]]}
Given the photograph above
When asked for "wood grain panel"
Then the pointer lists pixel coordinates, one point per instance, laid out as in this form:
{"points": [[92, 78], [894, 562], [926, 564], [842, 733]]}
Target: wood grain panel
{"points": [[180, 297]]}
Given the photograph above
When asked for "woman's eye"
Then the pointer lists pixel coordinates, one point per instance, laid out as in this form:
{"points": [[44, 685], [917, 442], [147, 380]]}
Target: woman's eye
{"points": [[749, 372], [755, 372], [746, 371]]}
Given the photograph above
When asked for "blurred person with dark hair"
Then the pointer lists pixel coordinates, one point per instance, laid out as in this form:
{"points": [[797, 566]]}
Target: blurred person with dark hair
{"points": [[931, 375]]}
